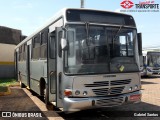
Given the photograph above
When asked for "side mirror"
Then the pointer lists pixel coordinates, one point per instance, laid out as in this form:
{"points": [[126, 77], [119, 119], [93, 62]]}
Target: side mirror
{"points": [[63, 43], [139, 36]]}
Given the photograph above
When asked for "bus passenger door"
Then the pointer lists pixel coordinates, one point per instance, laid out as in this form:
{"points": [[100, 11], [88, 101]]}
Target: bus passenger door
{"points": [[28, 57], [54, 68], [59, 91], [51, 68]]}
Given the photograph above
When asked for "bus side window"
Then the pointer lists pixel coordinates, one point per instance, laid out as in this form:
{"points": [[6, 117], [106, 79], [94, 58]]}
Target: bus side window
{"points": [[21, 54], [36, 47], [20, 50], [25, 51], [44, 38], [59, 44], [52, 45]]}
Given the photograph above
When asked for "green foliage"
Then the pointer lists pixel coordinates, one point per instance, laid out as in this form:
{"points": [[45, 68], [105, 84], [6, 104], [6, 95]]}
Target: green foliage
{"points": [[8, 82]]}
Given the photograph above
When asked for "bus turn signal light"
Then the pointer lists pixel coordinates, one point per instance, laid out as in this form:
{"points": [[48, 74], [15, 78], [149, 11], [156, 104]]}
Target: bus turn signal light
{"points": [[67, 92]]}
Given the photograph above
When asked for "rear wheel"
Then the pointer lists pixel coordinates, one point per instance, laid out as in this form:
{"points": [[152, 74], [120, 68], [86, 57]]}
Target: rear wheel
{"points": [[22, 85], [44, 95]]}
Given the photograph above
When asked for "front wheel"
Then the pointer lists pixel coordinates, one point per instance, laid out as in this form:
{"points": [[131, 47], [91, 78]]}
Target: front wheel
{"points": [[49, 106]]}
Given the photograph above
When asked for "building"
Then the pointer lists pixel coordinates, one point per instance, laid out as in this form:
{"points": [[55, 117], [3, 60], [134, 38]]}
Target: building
{"points": [[9, 38]]}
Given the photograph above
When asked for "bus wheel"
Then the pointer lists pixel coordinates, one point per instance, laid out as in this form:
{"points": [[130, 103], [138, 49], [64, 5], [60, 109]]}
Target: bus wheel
{"points": [[22, 84], [48, 105], [45, 95]]}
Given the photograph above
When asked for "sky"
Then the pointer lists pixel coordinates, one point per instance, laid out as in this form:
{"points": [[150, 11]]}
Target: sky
{"points": [[29, 15]]}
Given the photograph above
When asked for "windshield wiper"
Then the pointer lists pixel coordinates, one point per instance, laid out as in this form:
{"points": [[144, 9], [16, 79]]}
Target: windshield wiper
{"points": [[116, 37], [117, 33]]}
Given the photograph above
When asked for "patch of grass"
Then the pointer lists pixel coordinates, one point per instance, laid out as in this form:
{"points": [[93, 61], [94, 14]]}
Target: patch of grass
{"points": [[8, 82]]}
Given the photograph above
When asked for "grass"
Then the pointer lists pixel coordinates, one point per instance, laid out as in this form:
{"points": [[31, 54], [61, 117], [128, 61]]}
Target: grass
{"points": [[8, 82]]}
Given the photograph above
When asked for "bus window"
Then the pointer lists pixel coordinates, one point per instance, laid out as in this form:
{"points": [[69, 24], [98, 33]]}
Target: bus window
{"points": [[44, 37], [36, 42], [70, 37], [21, 54], [52, 46], [25, 51], [36, 47], [59, 44]]}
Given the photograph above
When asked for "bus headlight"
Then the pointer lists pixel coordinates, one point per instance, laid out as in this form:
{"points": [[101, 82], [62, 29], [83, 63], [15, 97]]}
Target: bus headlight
{"points": [[77, 92], [85, 93], [130, 89], [136, 87]]}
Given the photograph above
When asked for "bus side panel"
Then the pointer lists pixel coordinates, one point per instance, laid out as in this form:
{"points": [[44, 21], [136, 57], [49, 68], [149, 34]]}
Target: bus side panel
{"points": [[37, 71], [22, 71]]}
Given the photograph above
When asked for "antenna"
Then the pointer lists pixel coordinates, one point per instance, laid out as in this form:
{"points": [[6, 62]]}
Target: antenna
{"points": [[82, 3]]}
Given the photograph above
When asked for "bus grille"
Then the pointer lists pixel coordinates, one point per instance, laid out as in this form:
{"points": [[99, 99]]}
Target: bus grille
{"points": [[106, 83], [109, 87], [120, 82], [108, 91], [108, 102], [98, 84]]}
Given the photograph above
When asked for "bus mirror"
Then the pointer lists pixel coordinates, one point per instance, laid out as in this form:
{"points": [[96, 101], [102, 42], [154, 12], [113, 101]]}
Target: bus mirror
{"points": [[139, 36], [63, 43]]}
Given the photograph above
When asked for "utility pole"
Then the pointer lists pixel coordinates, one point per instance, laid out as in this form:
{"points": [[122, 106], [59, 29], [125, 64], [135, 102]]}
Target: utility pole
{"points": [[82, 3]]}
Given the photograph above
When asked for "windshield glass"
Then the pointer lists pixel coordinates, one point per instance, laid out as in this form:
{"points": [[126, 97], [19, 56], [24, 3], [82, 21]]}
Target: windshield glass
{"points": [[154, 59], [99, 49]]}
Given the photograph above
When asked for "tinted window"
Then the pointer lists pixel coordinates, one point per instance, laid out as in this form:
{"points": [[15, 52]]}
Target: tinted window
{"points": [[36, 47], [44, 36], [99, 16]]}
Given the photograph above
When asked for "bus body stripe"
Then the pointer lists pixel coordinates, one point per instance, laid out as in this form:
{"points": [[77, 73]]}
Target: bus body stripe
{"points": [[6, 63]]}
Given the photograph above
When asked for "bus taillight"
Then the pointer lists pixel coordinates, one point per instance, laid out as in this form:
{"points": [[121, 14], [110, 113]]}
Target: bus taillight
{"points": [[67, 92]]}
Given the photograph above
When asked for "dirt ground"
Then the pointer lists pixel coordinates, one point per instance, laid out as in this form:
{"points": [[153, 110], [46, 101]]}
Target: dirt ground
{"points": [[24, 100]]}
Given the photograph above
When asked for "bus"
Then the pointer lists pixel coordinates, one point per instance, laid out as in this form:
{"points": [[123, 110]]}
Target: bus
{"points": [[83, 59], [150, 63]]}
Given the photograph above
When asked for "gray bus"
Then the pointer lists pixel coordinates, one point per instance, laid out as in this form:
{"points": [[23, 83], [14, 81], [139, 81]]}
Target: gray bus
{"points": [[150, 63], [82, 59]]}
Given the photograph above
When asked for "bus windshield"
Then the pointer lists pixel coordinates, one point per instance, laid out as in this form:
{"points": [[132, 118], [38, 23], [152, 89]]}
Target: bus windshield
{"points": [[154, 59], [99, 49]]}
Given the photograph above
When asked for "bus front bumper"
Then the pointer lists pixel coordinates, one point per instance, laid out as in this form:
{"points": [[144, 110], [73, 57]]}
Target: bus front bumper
{"points": [[76, 104]]}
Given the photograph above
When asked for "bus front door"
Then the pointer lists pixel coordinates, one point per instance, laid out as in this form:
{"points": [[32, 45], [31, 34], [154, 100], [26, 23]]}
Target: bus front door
{"points": [[54, 68], [28, 54]]}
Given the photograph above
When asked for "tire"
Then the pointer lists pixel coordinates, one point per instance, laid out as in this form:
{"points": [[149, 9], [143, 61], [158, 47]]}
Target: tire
{"points": [[46, 99], [22, 85]]}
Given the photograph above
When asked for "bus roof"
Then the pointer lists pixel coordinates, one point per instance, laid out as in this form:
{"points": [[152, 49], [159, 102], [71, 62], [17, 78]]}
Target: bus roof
{"points": [[58, 15]]}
